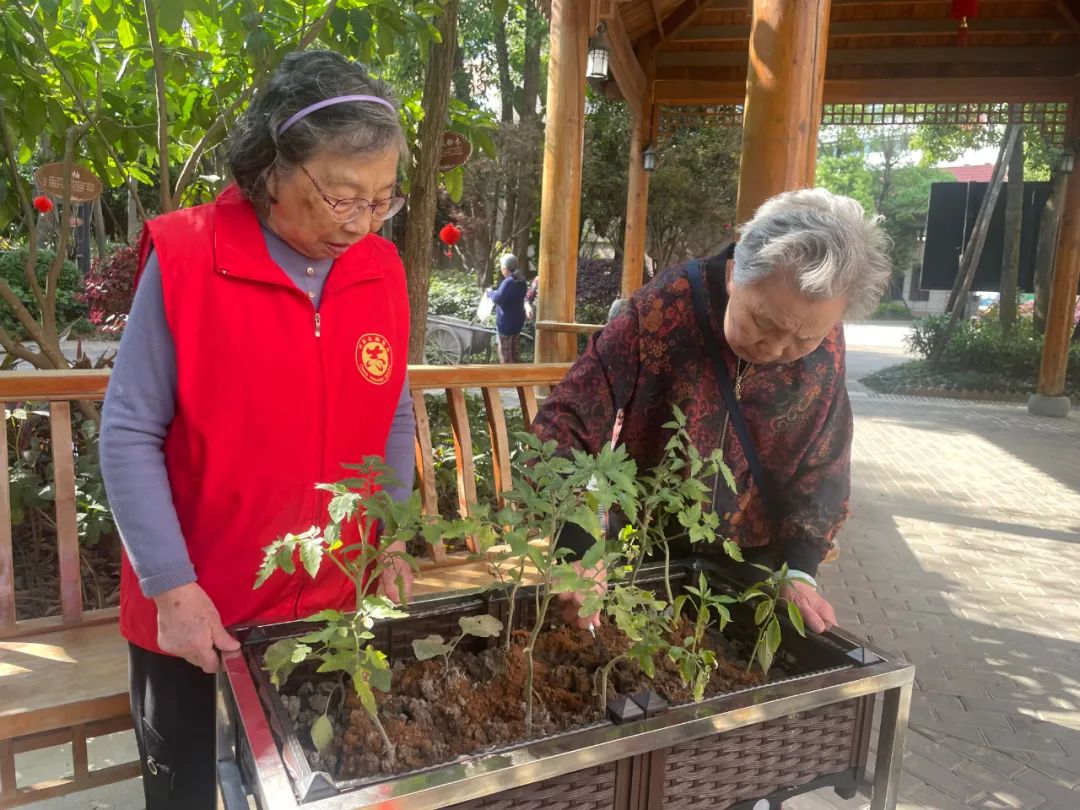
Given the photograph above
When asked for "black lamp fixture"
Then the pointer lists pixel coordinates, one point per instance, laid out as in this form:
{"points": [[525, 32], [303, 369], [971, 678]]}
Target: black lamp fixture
{"points": [[597, 69], [648, 158]]}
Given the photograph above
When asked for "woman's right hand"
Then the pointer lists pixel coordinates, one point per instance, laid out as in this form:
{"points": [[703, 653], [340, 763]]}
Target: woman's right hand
{"points": [[571, 602], [189, 627]]}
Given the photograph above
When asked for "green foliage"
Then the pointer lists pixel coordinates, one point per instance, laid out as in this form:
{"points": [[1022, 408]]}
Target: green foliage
{"points": [[63, 64], [341, 644], [453, 294], [31, 477], [889, 185], [550, 491], [696, 663], [767, 594], [13, 272], [891, 311], [691, 193], [980, 356], [482, 626]]}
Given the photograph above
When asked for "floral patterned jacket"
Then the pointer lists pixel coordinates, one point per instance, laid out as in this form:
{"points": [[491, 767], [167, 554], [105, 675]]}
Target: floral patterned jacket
{"points": [[651, 357]]}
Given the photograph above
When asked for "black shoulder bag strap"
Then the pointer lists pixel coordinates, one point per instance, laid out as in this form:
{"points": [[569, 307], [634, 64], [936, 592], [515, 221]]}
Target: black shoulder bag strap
{"points": [[735, 413]]}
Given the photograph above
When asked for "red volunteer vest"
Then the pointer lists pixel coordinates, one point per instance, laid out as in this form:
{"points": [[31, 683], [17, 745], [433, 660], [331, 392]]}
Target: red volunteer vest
{"points": [[271, 399]]}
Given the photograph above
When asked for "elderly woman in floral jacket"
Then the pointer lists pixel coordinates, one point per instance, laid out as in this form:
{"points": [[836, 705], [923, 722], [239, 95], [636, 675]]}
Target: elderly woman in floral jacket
{"points": [[775, 302]]}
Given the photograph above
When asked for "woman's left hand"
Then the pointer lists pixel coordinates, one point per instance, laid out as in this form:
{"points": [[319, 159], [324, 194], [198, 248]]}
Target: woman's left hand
{"points": [[397, 571], [817, 613]]}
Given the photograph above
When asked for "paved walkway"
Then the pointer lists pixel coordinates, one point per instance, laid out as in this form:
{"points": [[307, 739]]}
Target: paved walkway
{"points": [[961, 555]]}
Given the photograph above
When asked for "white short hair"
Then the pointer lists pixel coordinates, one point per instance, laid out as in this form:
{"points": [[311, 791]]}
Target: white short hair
{"points": [[508, 261], [827, 242]]}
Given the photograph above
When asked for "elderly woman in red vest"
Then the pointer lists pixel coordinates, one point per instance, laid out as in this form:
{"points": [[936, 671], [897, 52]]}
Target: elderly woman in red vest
{"points": [[266, 345], [750, 345]]}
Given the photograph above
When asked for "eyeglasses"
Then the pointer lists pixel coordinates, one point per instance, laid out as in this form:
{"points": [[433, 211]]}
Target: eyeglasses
{"points": [[349, 209]]}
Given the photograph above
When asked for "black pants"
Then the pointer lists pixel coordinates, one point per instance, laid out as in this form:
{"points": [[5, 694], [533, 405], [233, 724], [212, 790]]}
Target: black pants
{"points": [[172, 705]]}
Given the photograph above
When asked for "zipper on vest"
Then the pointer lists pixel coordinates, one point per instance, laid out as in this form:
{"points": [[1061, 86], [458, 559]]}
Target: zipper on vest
{"points": [[318, 325]]}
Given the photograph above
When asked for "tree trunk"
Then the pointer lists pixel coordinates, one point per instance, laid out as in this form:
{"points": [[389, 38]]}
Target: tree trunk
{"points": [[969, 262], [532, 133], [1014, 221], [134, 225], [425, 176], [506, 84], [99, 230], [1045, 249]]}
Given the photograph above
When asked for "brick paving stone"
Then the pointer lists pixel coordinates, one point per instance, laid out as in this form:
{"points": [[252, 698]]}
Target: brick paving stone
{"points": [[965, 529]]}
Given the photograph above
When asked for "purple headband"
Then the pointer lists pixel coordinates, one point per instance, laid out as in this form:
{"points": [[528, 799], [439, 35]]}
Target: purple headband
{"points": [[330, 102]]}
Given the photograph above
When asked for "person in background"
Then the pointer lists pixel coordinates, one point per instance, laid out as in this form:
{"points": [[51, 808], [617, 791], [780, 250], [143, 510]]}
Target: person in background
{"points": [[509, 300], [266, 346], [530, 299], [770, 325]]}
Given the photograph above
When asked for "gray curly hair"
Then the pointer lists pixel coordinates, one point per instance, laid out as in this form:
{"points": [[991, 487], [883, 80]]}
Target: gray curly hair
{"points": [[827, 242], [256, 145]]}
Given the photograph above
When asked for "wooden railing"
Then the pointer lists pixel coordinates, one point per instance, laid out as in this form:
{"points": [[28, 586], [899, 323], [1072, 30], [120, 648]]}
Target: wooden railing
{"points": [[62, 390]]}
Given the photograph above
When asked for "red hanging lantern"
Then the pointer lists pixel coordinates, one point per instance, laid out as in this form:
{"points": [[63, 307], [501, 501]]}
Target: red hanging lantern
{"points": [[450, 235], [43, 204], [964, 10]]}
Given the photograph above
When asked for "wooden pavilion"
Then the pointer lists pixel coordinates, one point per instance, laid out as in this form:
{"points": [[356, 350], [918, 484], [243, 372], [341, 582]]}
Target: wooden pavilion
{"points": [[781, 68]]}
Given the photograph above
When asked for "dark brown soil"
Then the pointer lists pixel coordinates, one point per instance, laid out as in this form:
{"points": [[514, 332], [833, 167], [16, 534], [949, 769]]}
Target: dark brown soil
{"points": [[434, 715]]}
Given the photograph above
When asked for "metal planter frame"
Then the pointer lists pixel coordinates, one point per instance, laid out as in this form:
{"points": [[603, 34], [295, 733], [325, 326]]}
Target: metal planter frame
{"points": [[251, 757]]}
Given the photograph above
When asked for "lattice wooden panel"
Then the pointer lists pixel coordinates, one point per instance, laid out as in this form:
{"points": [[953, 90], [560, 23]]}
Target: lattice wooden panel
{"points": [[1051, 118]]}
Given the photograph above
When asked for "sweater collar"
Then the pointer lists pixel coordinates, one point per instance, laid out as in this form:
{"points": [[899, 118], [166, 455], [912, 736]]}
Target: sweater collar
{"points": [[240, 248]]}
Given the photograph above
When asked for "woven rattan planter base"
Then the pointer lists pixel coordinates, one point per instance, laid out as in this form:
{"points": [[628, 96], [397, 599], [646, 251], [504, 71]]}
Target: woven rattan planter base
{"points": [[749, 749]]}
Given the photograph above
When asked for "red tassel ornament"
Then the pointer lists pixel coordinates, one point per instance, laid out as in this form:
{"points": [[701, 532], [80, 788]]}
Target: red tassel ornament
{"points": [[964, 10]]}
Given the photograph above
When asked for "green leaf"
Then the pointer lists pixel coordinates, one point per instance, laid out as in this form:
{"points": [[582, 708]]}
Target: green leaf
{"points": [[731, 548], [772, 635], [281, 658], [593, 556], [125, 33], [762, 612], [765, 657], [429, 647], [483, 626], [322, 732], [311, 554], [367, 697], [795, 615]]}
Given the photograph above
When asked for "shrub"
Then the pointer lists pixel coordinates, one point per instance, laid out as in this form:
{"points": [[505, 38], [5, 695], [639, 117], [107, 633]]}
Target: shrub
{"points": [[453, 295], [891, 311], [12, 271], [925, 334], [109, 289], [599, 283]]}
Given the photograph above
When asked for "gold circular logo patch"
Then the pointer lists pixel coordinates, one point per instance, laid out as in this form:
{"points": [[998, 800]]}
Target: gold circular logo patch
{"points": [[374, 358]]}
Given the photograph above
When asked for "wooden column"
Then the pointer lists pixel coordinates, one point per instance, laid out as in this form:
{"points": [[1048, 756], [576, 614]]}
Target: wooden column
{"points": [[637, 205], [1059, 325], [560, 205], [784, 88]]}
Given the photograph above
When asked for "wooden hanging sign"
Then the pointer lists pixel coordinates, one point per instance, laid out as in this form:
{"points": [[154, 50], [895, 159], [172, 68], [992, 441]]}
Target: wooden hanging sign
{"points": [[85, 185], [456, 150]]}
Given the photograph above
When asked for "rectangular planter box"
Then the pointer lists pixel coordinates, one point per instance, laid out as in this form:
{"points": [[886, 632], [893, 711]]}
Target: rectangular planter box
{"points": [[747, 749]]}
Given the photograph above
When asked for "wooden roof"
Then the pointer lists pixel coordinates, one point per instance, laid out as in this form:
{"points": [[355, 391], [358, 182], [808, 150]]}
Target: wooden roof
{"points": [[879, 50]]}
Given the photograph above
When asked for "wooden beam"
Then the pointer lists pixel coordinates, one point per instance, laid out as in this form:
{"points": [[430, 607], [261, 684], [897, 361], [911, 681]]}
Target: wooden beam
{"points": [[674, 93], [560, 205], [784, 89], [944, 90], [1059, 317], [1070, 12], [629, 75], [1068, 54], [684, 15], [508, 376], [559, 327], [702, 34], [637, 208]]}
